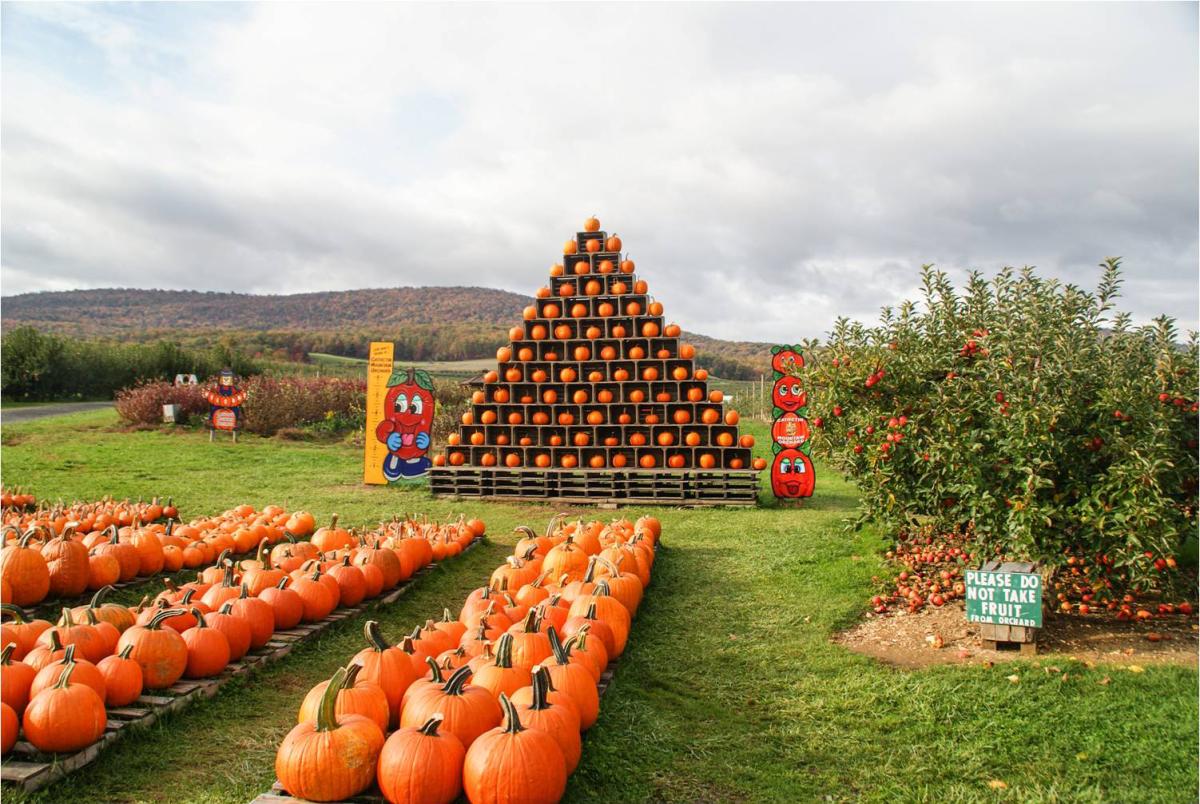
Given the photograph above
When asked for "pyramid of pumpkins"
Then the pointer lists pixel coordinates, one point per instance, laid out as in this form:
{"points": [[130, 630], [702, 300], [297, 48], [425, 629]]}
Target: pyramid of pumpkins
{"points": [[593, 377]]}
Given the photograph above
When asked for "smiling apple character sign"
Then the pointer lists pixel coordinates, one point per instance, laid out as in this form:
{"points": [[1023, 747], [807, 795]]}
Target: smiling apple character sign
{"points": [[407, 425], [792, 475]]}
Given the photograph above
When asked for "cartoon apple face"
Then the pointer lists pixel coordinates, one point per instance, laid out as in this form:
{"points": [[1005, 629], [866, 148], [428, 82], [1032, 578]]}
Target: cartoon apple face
{"points": [[787, 361], [788, 395], [410, 410], [792, 475]]}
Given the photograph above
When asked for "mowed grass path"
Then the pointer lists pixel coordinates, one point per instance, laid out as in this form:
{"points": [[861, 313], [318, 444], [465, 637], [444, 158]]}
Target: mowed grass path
{"points": [[730, 689]]}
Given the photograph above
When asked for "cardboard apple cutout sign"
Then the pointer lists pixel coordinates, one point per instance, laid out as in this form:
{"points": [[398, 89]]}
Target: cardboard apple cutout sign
{"points": [[407, 424], [792, 474]]}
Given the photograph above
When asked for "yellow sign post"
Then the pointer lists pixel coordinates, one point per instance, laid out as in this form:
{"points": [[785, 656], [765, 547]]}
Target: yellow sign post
{"points": [[379, 369]]}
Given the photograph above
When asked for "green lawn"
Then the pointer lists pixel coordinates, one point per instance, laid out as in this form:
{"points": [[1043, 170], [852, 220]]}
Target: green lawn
{"points": [[730, 690]]}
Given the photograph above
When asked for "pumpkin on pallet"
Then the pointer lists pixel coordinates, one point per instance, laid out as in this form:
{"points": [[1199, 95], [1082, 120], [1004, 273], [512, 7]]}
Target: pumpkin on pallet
{"points": [[500, 710]]}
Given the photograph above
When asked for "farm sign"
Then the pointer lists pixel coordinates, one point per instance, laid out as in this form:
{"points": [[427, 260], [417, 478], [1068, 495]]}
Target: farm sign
{"points": [[1004, 598]]}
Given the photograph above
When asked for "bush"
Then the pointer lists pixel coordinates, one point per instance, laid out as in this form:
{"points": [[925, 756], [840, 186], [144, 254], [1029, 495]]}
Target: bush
{"points": [[1026, 411], [38, 366], [143, 403], [275, 403], [272, 404]]}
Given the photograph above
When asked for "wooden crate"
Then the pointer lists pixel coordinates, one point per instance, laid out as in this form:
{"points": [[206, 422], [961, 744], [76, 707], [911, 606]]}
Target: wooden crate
{"points": [[28, 769]]}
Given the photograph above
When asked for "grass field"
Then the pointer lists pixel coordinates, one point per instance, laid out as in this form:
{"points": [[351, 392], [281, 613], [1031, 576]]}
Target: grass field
{"points": [[730, 690]]}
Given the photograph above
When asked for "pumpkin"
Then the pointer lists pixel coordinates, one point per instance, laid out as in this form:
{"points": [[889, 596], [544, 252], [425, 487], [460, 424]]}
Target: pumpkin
{"points": [[8, 728], [65, 717], [352, 586], [122, 678], [89, 643], [591, 224], [332, 757], [160, 652], [332, 537], [258, 614], [501, 675], [67, 564], [107, 631], [119, 616], [387, 667], [286, 606], [421, 765], [511, 763], [469, 709], [15, 680], [84, 672], [236, 629], [149, 551], [599, 630], [207, 649], [25, 570], [613, 243], [538, 710], [104, 569], [530, 645], [566, 559], [609, 610], [262, 574], [356, 697], [43, 654], [21, 632]]}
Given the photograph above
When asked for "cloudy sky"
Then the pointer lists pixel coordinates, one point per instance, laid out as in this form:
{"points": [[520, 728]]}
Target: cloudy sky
{"points": [[769, 167]]}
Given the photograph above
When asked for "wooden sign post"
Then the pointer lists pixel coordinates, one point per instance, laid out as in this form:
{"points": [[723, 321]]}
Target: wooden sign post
{"points": [[792, 473], [379, 369]]}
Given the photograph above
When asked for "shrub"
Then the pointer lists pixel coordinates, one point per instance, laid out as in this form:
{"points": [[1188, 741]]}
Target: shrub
{"points": [[275, 403], [272, 404], [1026, 411], [143, 403]]}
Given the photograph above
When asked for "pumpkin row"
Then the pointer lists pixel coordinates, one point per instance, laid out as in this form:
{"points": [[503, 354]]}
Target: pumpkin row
{"points": [[491, 703], [16, 499], [62, 555], [57, 680]]}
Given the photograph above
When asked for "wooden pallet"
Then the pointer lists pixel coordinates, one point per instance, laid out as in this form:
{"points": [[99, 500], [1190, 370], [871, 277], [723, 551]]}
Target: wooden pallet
{"points": [[683, 487], [28, 769], [278, 795]]}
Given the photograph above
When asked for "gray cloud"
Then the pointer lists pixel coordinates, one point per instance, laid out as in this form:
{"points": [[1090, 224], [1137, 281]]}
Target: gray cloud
{"points": [[770, 167]]}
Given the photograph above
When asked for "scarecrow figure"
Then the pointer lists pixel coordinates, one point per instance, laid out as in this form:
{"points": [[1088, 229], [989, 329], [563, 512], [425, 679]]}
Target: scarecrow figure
{"points": [[225, 405]]}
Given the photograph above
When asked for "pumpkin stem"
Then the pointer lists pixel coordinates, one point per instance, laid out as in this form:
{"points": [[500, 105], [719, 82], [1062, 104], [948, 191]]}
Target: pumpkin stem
{"points": [[612, 568], [283, 583], [591, 611], [430, 729], [446, 618], [98, 598], [327, 712], [530, 625], [374, 636], [14, 612], [157, 620], [7, 652], [458, 679], [591, 570], [125, 651], [245, 593], [333, 521], [562, 653], [226, 607], [65, 679], [68, 655], [504, 651], [526, 531], [55, 641], [264, 554], [553, 524], [200, 621], [352, 671], [437, 678], [512, 723], [541, 688]]}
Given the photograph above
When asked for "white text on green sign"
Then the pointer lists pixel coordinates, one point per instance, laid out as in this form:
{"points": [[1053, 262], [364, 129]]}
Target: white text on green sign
{"points": [[1004, 598]]}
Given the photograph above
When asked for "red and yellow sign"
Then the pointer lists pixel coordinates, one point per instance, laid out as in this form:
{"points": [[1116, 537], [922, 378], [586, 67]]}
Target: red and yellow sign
{"points": [[379, 369]]}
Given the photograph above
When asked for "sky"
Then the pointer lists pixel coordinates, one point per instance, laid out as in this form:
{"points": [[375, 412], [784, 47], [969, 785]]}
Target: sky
{"points": [[770, 167]]}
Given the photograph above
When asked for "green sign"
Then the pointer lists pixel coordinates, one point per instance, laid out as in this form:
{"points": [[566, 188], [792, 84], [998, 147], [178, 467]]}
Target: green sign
{"points": [[1004, 598]]}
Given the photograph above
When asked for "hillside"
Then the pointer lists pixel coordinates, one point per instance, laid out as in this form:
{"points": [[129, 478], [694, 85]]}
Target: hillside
{"points": [[431, 323]]}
